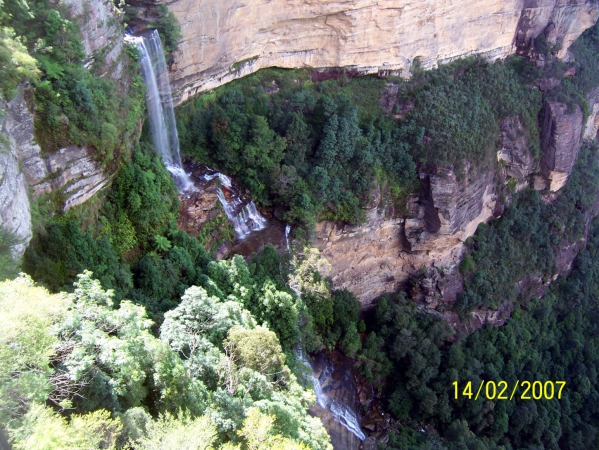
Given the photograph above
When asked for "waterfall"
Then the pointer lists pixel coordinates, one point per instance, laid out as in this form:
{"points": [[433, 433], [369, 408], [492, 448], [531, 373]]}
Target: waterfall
{"points": [[287, 231], [243, 214], [160, 106], [341, 413]]}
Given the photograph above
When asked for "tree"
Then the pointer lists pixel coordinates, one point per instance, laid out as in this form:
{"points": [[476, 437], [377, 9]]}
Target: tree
{"points": [[44, 429], [27, 346], [110, 349], [15, 62], [257, 349], [178, 433]]}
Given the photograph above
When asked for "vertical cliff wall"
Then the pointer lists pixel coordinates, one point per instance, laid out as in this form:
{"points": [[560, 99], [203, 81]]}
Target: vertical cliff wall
{"points": [[227, 39]]}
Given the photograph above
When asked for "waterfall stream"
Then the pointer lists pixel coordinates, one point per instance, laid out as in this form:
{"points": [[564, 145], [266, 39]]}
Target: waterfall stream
{"points": [[160, 106], [239, 210]]}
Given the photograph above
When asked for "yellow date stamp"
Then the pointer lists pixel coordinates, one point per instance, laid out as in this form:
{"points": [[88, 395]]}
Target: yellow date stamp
{"points": [[501, 390]]}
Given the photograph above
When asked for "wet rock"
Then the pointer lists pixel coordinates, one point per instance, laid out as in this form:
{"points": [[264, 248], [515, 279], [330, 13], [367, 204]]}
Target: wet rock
{"points": [[560, 142], [197, 209], [335, 373], [374, 421]]}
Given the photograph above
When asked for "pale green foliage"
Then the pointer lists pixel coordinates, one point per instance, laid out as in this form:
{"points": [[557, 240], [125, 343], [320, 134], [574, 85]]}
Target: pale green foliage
{"points": [[197, 327], [178, 386], [43, 429], [306, 267], [15, 62], [257, 349], [27, 313], [258, 434], [233, 278], [162, 243], [182, 433], [112, 346]]}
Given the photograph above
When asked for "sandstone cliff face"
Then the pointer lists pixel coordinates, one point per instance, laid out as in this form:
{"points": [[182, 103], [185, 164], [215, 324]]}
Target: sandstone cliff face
{"points": [[71, 170], [562, 21], [382, 254], [592, 125], [227, 39], [15, 214], [101, 32], [513, 149], [560, 141]]}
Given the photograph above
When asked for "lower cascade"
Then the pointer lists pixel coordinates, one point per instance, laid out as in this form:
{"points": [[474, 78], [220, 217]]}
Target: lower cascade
{"points": [[244, 214], [323, 387]]}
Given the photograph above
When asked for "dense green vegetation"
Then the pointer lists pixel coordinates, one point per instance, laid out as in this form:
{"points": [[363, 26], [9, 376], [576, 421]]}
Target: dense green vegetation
{"points": [[553, 338], [212, 373], [314, 148], [163, 345], [73, 105], [524, 242], [319, 149]]}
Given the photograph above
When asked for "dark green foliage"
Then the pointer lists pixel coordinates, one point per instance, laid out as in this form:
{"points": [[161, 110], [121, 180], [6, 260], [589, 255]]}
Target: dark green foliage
{"points": [[62, 251], [575, 89], [524, 241], [550, 339], [169, 30], [457, 108], [313, 151], [142, 203]]}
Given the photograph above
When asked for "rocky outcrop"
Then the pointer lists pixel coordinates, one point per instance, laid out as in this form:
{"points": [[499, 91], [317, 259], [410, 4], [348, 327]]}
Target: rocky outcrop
{"points": [[562, 21], [592, 125], [228, 39], [101, 32], [71, 170], [383, 253], [15, 214], [560, 142], [513, 151]]}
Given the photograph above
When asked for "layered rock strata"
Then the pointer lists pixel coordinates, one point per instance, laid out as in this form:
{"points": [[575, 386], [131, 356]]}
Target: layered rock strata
{"points": [[101, 33], [228, 39], [71, 170]]}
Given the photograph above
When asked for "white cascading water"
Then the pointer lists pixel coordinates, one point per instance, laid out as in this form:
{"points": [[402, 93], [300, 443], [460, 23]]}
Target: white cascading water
{"points": [[341, 413], [245, 217], [287, 231], [160, 106]]}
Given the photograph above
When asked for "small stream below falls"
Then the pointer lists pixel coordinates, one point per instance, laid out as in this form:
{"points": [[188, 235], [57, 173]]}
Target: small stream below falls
{"points": [[253, 230], [337, 402], [332, 374]]}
